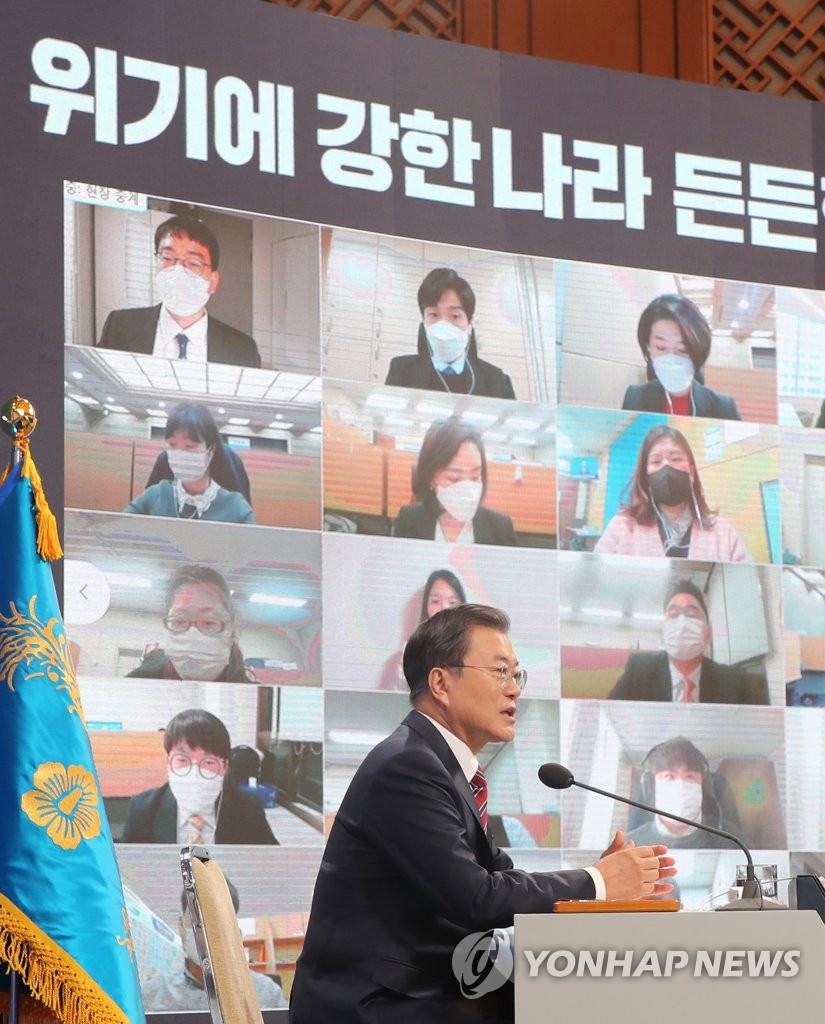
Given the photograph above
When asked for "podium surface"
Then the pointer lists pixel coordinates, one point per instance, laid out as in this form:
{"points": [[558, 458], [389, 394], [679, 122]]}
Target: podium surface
{"points": [[683, 968]]}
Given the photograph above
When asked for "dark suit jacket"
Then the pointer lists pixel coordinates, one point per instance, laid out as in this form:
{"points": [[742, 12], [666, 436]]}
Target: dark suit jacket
{"points": [[133, 330], [646, 676], [407, 873], [152, 817], [650, 397], [418, 522], [418, 372]]}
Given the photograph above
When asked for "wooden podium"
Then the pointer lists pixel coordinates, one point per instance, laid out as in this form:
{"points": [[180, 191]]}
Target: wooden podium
{"points": [[680, 968]]}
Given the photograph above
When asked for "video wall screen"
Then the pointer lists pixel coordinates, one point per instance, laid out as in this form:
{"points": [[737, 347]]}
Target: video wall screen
{"points": [[259, 542], [319, 383]]}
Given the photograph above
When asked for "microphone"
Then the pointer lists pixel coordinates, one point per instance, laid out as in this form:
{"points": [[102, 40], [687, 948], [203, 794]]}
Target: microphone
{"points": [[556, 776]]}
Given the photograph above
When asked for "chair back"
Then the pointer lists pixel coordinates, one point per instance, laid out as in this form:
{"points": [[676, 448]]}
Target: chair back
{"points": [[226, 974]]}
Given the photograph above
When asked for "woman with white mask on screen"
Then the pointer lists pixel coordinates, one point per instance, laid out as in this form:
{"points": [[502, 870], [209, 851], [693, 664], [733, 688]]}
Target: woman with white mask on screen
{"points": [[201, 641], [450, 481], [200, 478], [675, 341]]}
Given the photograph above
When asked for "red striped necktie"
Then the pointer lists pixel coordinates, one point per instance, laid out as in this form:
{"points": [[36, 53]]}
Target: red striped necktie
{"points": [[478, 784]]}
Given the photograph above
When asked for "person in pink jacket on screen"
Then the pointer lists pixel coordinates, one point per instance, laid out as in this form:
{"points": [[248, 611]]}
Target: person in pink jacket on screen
{"points": [[667, 513]]}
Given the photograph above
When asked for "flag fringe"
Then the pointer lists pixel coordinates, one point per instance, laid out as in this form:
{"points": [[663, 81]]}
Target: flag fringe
{"points": [[52, 975], [48, 539]]}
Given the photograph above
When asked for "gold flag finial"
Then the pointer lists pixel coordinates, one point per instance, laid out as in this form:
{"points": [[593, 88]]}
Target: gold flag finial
{"points": [[18, 418]]}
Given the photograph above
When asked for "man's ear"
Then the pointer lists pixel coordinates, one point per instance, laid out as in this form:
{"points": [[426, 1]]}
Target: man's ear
{"points": [[439, 685], [214, 281]]}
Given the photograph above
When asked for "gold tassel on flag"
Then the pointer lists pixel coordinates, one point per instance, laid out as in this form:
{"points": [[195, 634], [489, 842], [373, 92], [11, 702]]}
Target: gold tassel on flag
{"points": [[18, 420]]}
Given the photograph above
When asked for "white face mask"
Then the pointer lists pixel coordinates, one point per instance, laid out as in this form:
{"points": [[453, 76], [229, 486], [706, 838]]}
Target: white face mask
{"points": [[680, 797], [195, 795], [182, 293], [448, 344], [460, 500], [675, 372], [188, 466], [197, 656], [684, 638]]}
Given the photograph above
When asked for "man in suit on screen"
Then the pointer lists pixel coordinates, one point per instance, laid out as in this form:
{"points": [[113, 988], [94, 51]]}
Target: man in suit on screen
{"points": [[410, 869], [187, 276], [681, 672], [197, 803]]}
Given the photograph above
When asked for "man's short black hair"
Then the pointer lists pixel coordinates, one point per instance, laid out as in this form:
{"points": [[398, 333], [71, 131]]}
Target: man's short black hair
{"points": [[193, 228], [686, 586], [198, 728], [675, 753], [440, 280], [443, 640]]}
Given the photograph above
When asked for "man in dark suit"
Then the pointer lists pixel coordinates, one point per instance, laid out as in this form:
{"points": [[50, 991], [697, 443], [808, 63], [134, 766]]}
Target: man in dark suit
{"points": [[410, 869], [681, 672], [447, 356], [197, 804], [187, 277]]}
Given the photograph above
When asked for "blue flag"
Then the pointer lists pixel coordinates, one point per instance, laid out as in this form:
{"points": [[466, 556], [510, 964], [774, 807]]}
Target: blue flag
{"points": [[63, 921]]}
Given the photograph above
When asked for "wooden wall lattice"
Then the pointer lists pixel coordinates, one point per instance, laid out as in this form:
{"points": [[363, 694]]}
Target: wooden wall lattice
{"points": [[440, 19], [774, 46], [771, 46]]}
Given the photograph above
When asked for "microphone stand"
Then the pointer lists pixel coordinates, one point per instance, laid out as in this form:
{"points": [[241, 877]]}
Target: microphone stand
{"points": [[752, 896]]}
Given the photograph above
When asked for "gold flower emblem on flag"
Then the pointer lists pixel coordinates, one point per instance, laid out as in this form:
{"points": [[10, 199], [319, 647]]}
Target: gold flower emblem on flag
{"points": [[37, 650], [64, 802]]}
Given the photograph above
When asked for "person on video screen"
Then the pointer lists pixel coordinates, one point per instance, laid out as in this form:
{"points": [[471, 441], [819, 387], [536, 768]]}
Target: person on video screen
{"points": [[411, 866], [675, 341], [201, 631], [197, 804], [447, 358], [179, 984], [681, 672], [195, 458], [676, 777], [443, 589], [186, 278], [667, 513], [450, 482]]}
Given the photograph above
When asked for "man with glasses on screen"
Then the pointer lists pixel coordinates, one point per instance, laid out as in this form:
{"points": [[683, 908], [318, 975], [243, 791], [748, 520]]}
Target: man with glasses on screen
{"points": [[186, 277], [197, 804], [681, 672], [410, 869]]}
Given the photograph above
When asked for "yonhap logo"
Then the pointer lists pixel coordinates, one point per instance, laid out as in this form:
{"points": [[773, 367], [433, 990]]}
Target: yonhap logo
{"points": [[483, 962]]}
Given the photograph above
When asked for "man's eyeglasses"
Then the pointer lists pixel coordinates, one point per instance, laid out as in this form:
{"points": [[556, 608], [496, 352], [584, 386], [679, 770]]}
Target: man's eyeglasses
{"points": [[209, 627], [504, 675], [209, 767], [194, 264]]}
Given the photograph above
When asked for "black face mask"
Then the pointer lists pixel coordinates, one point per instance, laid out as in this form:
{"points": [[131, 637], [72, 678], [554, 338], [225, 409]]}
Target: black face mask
{"points": [[669, 486]]}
